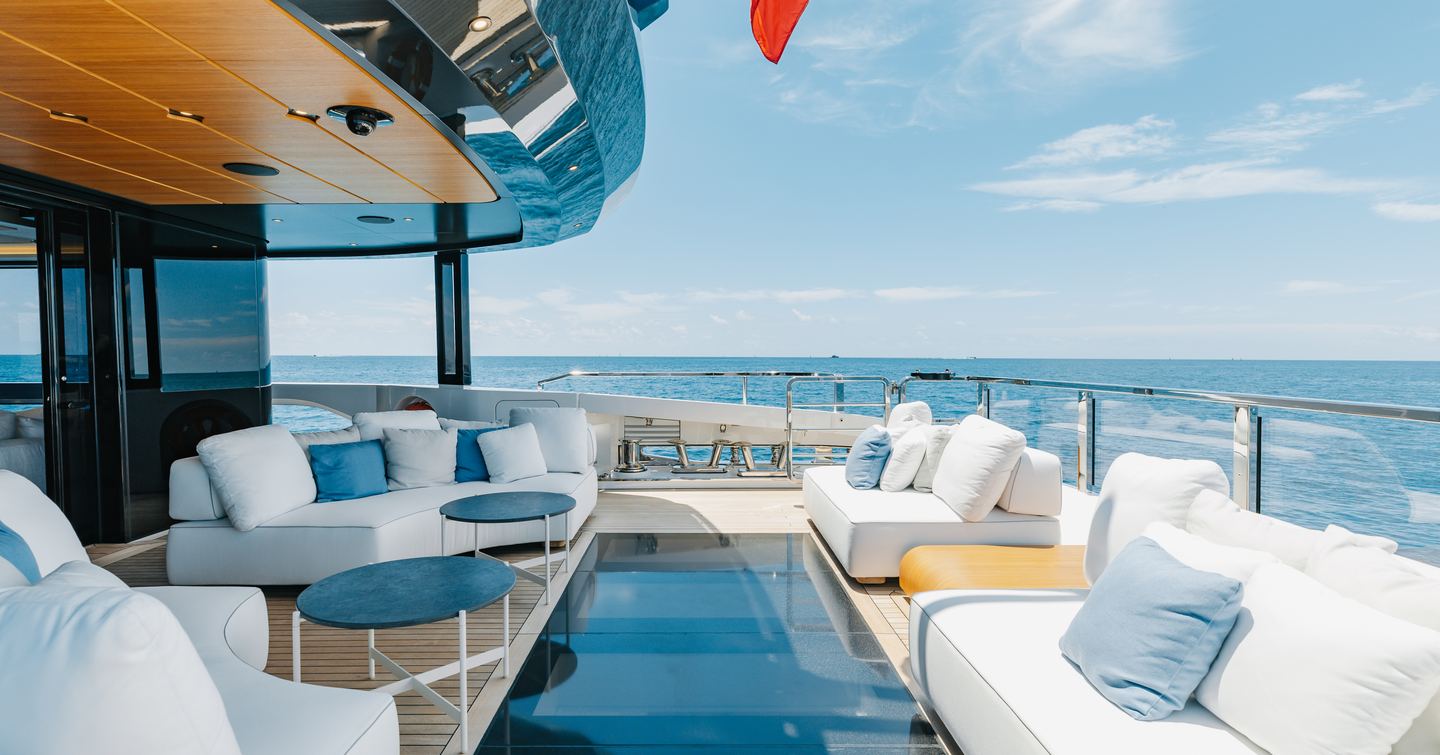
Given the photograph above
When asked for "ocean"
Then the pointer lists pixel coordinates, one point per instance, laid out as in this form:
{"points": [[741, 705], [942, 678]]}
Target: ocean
{"points": [[1371, 475]]}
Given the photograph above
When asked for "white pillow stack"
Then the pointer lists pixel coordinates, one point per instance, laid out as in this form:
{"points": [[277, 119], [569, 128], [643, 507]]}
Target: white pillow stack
{"points": [[908, 416], [512, 454], [1141, 489], [1199, 553], [419, 458], [563, 433], [326, 438], [976, 466], [1218, 519], [935, 443], [906, 454], [258, 473], [372, 425]]}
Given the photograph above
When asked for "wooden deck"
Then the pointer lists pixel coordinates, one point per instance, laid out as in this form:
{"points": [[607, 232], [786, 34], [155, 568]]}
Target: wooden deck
{"points": [[338, 658]]}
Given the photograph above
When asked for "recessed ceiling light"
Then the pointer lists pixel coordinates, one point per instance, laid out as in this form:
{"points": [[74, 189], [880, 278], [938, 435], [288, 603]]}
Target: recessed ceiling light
{"points": [[302, 115], [375, 219], [72, 117], [277, 220], [354, 243], [577, 225], [181, 115], [251, 169], [574, 168], [481, 23], [409, 220], [214, 246]]}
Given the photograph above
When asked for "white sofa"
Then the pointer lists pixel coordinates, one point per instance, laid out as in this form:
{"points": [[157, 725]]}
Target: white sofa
{"points": [[314, 541], [869, 531], [22, 445], [228, 627], [988, 661]]}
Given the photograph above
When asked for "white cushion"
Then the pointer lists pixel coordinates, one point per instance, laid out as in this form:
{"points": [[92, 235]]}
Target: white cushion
{"points": [[907, 416], [1035, 486], [1307, 670], [1218, 519], [419, 458], [10, 576], [905, 457], [935, 443], [326, 438], [512, 454], [372, 425], [258, 473], [989, 663], [39, 522], [103, 669], [467, 424], [563, 434], [976, 466], [1138, 490], [1397, 586], [1198, 553], [30, 427], [192, 498], [82, 574], [9, 426]]}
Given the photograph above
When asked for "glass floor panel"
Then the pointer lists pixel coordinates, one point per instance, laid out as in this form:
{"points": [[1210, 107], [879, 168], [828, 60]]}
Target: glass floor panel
{"points": [[686, 643]]}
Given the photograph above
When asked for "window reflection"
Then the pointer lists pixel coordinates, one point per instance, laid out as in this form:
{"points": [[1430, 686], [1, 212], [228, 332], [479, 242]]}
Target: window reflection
{"points": [[209, 324]]}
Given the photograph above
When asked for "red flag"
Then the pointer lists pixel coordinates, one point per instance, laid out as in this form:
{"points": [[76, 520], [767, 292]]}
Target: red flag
{"points": [[773, 21]]}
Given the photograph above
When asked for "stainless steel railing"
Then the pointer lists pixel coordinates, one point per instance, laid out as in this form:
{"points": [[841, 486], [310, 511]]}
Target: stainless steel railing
{"points": [[841, 403], [744, 377], [1247, 423]]}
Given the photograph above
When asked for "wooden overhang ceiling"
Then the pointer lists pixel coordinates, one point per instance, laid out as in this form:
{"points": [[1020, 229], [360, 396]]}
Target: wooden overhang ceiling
{"points": [[94, 92]]}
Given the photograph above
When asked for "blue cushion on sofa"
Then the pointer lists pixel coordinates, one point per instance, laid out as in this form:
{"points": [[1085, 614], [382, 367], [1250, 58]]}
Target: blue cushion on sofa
{"points": [[1150, 629], [867, 458], [14, 549], [348, 470], [469, 462]]}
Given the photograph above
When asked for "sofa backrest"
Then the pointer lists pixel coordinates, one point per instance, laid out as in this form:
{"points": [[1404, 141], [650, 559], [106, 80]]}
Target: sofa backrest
{"points": [[1036, 485], [26, 511]]}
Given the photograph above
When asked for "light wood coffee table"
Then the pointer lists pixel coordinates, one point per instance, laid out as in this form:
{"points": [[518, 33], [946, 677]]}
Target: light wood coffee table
{"points": [[1004, 567]]}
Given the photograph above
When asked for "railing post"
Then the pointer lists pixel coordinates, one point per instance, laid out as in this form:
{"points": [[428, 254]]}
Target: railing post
{"points": [[744, 390], [1247, 458], [1085, 463], [982, 400], [839, 393]]}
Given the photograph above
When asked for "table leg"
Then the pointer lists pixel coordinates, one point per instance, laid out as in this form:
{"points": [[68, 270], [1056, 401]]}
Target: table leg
{"points": [[505, 642], [565, 562], [547, 559], [442, 534], [464, 689], [370, 651], [295, 646], [477, 540]]}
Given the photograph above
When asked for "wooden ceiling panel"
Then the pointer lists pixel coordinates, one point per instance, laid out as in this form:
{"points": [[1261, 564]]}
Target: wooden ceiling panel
{"points": [[91, 175], [142, 57], [312, 76]]}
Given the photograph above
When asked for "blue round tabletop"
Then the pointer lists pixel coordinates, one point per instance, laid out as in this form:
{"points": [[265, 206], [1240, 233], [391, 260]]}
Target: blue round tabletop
{"points": [[405, 593], [512, 506]]}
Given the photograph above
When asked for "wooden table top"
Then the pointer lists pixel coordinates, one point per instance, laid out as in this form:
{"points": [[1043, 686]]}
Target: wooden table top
{"points": [[974, 567]]}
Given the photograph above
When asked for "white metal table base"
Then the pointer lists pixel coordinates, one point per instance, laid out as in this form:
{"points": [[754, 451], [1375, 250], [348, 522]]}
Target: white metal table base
{"points": [[522, 568], [420, 683]]}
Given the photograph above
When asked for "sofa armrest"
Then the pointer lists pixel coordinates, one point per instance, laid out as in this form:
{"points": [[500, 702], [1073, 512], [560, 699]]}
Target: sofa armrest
{"points": [[191, 496], [1034, 485]]}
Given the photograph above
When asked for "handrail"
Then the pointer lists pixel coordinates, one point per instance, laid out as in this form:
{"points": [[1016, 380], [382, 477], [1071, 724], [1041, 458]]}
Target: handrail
{"points": [[744, 376], [840, 402]]}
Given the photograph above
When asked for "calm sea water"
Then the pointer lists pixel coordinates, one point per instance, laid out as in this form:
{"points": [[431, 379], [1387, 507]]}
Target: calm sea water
{"points": [[1373, 475]]}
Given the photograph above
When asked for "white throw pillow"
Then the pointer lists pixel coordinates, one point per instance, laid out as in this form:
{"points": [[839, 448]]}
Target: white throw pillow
{"points": [[259, 473], [564, 435], [976, 466], [1307, 670], [1138, 490], [103, 668], [326, 438], [467, 424], [1218, 519], [906, 453], [9, 425], [39, 522], [935, 445], [1400, 587], [419, 458], [372, 425], [30, 427], [1034, 488], [1199, 553], [512, 454], [908, 416]]}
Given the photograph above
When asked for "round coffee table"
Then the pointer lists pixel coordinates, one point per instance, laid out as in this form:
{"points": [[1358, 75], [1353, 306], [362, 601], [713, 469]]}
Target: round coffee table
{"points": [[514, 506], [407, 593]]}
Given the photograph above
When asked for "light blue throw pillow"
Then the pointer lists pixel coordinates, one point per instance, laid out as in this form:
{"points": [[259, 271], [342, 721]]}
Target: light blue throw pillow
{"points": [[469, 462], [14, 549], [867, 458], [1150, 629], [348, 470]]}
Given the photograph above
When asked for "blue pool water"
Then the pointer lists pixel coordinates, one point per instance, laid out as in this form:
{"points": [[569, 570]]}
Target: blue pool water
{"points": [[706, 643]]}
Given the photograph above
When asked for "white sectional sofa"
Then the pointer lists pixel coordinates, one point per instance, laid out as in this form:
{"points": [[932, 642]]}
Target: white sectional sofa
{"points": [[317, 540], [22, 445], [228, 628], [869, 531], [989, 661]]}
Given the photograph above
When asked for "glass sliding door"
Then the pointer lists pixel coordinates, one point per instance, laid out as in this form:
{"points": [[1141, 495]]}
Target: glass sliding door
{"points": [[22, 394]]}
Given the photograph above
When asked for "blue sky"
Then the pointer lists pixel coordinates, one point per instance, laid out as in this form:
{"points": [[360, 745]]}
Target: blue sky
{"points": [[1027, 178]]}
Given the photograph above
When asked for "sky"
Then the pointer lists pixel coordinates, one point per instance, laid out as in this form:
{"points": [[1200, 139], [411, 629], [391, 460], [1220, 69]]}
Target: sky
{"points": [[996, 178]]}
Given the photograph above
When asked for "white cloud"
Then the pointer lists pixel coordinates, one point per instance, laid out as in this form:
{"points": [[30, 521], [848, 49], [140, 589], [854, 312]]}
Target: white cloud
{"points": [[784, 296], [718, 320], [1420, 96], [1147, 136], [563, 300], [1057, 205], [743, 316], [496, 305], [644, 300], [944, 293], [1308, 287], [1333, 92], [801, 315], [1414, 212]]}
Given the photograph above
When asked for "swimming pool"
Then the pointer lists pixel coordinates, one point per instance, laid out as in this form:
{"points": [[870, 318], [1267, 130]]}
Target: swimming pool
{"points": [[707, 643]]}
